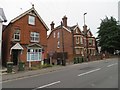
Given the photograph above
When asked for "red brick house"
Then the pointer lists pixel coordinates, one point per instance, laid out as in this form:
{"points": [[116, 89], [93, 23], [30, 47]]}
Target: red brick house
{"points": [[71, 38], [84, 43], [25, 39]]}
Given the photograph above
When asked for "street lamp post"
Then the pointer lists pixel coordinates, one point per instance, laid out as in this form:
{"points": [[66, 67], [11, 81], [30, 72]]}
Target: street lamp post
{"points": [[84, 18], [87, 55], [2, 19], [85, 33]]}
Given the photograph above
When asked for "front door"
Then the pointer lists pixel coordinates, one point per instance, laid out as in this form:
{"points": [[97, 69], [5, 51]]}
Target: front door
{"points": [[15, 56]]}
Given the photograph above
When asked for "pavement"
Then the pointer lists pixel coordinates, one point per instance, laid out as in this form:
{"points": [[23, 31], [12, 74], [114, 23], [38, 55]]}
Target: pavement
{"points": [[9, 76]]}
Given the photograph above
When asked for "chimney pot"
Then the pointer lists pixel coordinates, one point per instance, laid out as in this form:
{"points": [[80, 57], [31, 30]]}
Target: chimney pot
{"points": [[52, 25], [64, 21]]}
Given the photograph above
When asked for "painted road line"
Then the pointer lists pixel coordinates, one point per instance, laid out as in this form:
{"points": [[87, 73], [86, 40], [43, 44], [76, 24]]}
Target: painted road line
{"points": [[112, 65], [89, 72], [48, 85]]}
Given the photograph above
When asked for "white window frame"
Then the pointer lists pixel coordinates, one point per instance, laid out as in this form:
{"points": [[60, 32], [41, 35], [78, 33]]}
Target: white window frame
{"points": [[17, 33], [93, 42], [33, 37], [90, 41], [77, 40], [34, 54], [81, 40], [31, 20], [54, 34], [58, 44], [58, 35], [77, 50]]}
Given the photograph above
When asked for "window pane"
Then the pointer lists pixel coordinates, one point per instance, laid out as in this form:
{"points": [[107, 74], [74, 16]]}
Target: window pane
{"points": [[34, 55], [17, 35], [58, 35], [31, 20], [34, 37], [39, 50], [28, 56]]}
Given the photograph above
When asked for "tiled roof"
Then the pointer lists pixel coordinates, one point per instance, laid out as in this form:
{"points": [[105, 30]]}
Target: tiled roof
{"points": [[28, 11]]}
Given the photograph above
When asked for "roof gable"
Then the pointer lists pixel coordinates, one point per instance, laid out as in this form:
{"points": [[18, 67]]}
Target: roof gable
{"points": [[28, 12], [59, 28], [17, 46], [77, 30], [89, 34]]}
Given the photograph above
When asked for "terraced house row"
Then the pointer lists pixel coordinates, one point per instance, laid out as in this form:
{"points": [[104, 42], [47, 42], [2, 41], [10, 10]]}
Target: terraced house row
{"points": [[25, 39]]}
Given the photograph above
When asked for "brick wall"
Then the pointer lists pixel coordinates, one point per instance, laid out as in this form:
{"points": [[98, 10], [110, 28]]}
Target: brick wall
{"points": [[25, 30], [52, 42]]}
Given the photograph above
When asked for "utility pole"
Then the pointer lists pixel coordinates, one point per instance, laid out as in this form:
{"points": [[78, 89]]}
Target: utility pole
{"points": [[73, 42], [63, 50]]}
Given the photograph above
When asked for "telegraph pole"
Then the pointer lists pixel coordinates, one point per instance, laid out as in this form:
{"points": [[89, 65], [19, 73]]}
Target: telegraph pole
{"points": [[63, 50]]}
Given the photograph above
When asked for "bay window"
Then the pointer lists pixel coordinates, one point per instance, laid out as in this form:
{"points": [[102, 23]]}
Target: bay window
{"points": [[34, 55]]}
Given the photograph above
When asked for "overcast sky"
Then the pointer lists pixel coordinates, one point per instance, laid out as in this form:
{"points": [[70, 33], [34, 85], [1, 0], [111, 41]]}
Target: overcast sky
{"points": [[54, 10]]}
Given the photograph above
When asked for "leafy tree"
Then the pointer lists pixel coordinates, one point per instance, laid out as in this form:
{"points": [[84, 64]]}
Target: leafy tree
{"points": [[109, 35]]}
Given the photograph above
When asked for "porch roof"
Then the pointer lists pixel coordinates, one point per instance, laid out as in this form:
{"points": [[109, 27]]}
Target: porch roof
{"points": [[17, 46]]}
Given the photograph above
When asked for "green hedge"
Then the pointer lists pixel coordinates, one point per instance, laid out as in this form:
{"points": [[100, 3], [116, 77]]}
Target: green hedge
{"points": [[78, 60]]}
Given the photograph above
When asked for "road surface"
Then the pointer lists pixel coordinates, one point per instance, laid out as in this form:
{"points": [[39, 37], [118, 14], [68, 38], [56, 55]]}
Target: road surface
{"points": [[97, 74]]}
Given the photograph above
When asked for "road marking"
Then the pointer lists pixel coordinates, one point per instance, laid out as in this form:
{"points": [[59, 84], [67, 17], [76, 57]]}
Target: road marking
{"points": [[89, 72], [112, 65], [47, 85]]}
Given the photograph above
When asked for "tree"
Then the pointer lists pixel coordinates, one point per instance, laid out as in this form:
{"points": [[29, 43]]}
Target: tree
{"points": [[109, 35]]}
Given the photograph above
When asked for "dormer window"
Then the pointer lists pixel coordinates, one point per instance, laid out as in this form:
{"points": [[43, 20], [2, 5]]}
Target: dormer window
{"points": [[31, 20], [17, 35]]}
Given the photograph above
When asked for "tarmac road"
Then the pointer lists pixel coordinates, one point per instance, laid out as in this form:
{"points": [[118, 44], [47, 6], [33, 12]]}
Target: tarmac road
{"points": [[97, 74]]}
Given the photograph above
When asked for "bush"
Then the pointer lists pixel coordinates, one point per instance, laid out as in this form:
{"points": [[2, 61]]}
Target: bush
{"points": [[82, 59], [40, 66], [46, 65], [75, 60]]}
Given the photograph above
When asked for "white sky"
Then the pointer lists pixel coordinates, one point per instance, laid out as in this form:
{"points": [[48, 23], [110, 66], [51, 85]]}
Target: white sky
{"points": [[54, 10]]}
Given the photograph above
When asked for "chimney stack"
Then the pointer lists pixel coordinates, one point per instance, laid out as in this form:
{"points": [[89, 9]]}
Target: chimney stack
{"points": [[64, 21], [52, 25]]}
